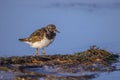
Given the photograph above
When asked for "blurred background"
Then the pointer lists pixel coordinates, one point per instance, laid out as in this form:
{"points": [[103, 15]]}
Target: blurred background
{"points": [[82, 23]]}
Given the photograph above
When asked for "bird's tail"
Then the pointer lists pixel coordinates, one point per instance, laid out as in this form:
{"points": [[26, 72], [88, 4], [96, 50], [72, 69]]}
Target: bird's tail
{"points": [[23, 39]]}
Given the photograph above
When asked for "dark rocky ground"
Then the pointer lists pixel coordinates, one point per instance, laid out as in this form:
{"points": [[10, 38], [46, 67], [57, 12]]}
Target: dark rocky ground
{"points": [[91, 60]]}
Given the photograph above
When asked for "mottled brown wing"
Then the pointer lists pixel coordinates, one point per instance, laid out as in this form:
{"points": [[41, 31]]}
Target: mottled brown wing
{"points": [[37, 35]]}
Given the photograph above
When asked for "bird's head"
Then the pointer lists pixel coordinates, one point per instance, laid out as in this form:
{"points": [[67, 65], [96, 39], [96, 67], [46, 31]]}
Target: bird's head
{"points": [[52, 28]]}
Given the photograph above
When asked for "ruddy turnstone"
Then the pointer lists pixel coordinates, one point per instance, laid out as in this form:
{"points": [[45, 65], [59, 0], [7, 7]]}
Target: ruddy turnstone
{"points": [[41, 38]]}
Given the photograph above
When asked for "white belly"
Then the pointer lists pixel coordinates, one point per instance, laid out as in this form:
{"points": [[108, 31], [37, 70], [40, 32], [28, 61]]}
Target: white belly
{"points": [[41, 44]]}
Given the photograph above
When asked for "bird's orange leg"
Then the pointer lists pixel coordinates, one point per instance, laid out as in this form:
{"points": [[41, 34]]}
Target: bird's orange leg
{"points": [[36, 52], [43, 51]]}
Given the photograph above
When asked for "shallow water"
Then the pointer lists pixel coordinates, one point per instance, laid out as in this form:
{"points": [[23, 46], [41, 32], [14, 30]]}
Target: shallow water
{"points": [[81, 23], [58, 72]]}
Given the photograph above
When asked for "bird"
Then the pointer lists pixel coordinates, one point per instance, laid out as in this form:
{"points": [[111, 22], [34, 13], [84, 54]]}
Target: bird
{"points": [[41, 38]]}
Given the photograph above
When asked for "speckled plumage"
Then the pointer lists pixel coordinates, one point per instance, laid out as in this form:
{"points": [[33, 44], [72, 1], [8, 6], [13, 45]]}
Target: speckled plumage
{"points": [[41, 37]]}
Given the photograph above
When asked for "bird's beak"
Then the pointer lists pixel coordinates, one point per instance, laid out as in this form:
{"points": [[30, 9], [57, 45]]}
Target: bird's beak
{"points": [[57, 31]]}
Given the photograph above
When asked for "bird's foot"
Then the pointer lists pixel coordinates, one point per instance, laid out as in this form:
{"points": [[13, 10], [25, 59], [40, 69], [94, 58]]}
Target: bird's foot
{"points": [[43, 53], [36, 54]]}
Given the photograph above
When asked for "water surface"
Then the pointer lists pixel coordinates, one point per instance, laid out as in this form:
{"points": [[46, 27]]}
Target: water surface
{"points": [[81, 23]]}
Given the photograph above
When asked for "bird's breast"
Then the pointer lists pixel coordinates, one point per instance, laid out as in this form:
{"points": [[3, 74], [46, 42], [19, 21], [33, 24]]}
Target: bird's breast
{"points": [[42, 43]]}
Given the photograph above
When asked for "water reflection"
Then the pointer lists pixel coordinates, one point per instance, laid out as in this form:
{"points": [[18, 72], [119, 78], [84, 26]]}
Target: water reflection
{"points": [[31, 77], [60, 73]]}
